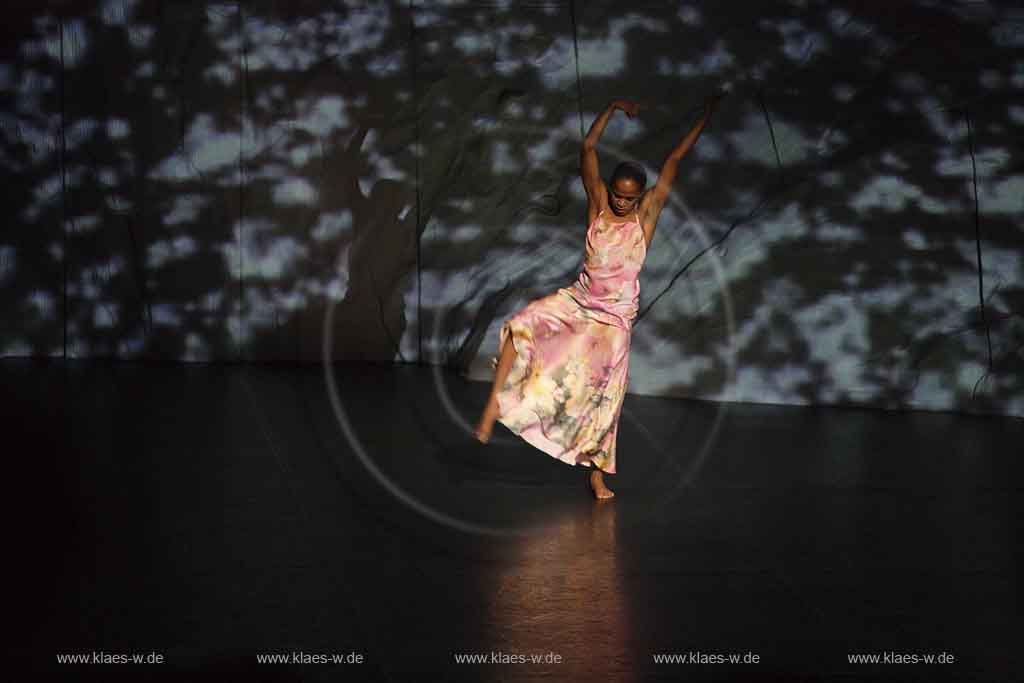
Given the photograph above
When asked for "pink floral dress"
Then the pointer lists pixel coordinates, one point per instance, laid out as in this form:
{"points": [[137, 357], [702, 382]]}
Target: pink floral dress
{"points": [[565, 389]]}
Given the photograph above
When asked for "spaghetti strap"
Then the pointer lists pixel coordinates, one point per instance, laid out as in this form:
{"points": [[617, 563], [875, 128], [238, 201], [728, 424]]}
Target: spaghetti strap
{"points": [[636, 215]]}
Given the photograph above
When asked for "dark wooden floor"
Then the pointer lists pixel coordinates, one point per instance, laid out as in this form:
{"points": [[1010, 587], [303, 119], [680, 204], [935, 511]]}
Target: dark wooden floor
{"points": [[212, 514]]}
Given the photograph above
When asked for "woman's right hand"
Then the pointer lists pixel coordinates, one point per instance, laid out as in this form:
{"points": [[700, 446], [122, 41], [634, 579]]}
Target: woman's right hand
{"points": [[631, 108]]}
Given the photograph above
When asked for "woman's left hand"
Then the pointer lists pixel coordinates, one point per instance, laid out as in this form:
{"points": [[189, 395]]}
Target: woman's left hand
{"points": [[713, 99]]}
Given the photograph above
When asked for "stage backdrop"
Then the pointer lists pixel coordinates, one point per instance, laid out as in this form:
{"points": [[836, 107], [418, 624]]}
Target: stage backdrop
{"points": [[296, 181]]}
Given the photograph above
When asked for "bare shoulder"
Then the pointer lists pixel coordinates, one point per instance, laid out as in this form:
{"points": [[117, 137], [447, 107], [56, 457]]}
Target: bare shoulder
{"points": [[596, 204], [649, 211], [648, 208]]}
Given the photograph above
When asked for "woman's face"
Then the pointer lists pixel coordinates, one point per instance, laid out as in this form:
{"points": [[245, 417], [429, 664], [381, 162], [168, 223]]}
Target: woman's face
{"points": [[623, 194]]}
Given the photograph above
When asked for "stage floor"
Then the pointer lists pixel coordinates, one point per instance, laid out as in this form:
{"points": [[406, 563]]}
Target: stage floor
{"points": [[217, 514]]}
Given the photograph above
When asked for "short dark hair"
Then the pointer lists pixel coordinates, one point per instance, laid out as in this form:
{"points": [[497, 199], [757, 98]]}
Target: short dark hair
{"points": [[627, 169]]}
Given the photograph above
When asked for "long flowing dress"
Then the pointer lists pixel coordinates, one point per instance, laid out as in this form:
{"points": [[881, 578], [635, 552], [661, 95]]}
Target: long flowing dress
{"points": [[564, 391]]}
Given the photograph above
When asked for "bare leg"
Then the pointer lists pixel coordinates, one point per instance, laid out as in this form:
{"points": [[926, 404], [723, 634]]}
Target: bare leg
{"points": [[490, 414], [598, 486]]}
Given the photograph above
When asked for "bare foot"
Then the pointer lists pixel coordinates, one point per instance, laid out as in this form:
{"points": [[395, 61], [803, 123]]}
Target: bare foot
{"points": [[597, 484], [486, 423], [483, 435]]}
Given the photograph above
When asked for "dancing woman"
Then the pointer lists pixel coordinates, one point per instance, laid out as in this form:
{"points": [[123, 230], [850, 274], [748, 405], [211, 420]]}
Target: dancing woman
{"points": [[562, 370]]}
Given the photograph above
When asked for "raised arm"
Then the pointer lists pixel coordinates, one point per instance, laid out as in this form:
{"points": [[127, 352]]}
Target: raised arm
{"points": [[588, 154], [658, 194]]}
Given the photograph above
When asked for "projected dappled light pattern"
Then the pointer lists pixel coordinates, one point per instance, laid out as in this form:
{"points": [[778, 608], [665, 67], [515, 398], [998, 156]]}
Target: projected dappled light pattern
{"points": [[203, 183]]}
